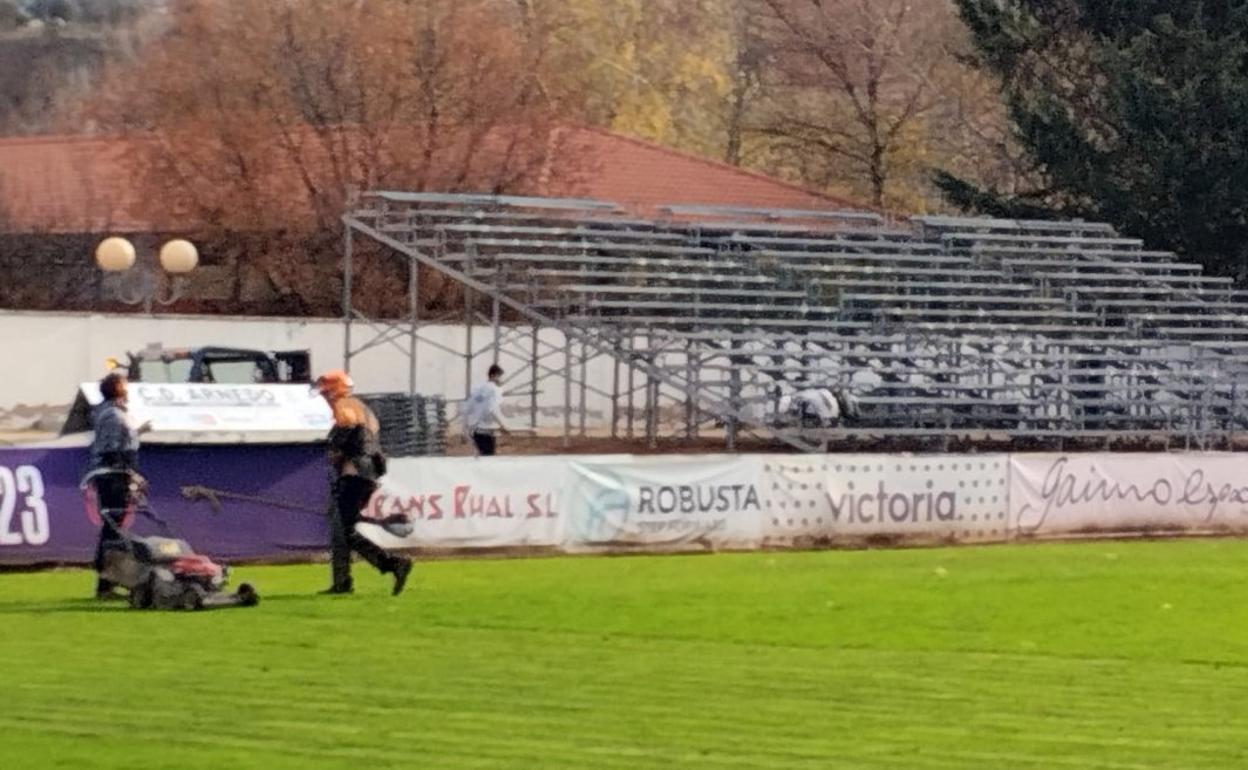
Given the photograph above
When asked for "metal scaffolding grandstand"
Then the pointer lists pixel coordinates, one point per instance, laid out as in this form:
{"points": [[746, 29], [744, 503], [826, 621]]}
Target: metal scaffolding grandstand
{"points": [[945, 329]]}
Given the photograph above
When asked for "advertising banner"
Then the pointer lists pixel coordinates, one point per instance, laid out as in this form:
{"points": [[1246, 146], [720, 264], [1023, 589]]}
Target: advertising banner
{"points": [[469, 502], [198, 409], [245, 502], [268, 501], [41, 511], [831, 497], [1064, 494], [704, 501]]}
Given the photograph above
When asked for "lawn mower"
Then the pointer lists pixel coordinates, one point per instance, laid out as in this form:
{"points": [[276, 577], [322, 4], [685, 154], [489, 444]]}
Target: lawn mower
{"points": [[163, 572]]}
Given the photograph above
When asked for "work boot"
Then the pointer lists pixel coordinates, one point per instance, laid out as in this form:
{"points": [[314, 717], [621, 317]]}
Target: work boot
{"points": [[344, 588], [401, 571], [105, 591]]}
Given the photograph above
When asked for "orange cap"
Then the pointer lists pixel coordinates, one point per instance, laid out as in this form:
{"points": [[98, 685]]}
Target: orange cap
{"points": [[334, 384]]}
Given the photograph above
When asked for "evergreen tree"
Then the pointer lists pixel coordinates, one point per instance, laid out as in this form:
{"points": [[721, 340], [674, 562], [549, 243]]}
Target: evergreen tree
{"points": [[1132, 111]]}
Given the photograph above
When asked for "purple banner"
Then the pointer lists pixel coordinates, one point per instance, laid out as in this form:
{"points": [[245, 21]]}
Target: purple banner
{"points": [[253, 502]]}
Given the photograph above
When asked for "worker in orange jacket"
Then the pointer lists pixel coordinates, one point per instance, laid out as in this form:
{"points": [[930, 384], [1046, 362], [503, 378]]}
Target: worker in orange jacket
{"points": [[356, 463]]}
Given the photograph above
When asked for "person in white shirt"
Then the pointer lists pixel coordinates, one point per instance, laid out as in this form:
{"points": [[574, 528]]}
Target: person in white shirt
{"points": [[483, 413]]}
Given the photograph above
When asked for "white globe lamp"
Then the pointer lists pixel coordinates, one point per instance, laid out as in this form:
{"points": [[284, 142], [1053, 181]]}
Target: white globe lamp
{"points": [[115, 255], [178, 257]]}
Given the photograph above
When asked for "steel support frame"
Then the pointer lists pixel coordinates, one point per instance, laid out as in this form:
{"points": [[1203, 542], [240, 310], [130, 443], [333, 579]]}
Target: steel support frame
{"points": [[504, 343], [1212, 414], [593, 342]]}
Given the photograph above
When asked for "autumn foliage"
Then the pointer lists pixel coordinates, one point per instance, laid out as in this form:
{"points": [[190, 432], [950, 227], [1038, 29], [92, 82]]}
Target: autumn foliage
{"points": [[261, 118]]}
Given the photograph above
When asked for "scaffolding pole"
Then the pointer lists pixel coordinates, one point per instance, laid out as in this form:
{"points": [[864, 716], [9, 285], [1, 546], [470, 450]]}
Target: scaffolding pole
{"points": [[691, 411], [469, 321], [534, 378], [652, 410], [632, 388], [615, 390], [413, 299], [347, 311], [652, 396], [567, 390], [495, 321], [584, 382]]}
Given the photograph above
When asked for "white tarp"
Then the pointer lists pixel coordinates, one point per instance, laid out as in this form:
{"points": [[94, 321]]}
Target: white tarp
{"points": [[833, 497], [468, 502], [672, 501], [1063, 494]]}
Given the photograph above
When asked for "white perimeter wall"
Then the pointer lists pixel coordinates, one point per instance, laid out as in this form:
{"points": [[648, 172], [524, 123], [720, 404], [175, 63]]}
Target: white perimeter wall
{"points": [[47, 355]]}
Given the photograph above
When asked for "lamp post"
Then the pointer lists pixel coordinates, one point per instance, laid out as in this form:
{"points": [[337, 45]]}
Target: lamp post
{"points": [[117, 257]]}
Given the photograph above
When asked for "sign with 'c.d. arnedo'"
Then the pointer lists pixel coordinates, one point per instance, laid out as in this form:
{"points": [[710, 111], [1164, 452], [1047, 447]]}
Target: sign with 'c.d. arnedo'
{"points": [[195, 408]]}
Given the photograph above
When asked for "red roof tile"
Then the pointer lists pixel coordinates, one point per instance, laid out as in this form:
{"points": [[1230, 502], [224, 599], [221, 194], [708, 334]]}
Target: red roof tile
{"points": [[67, 184], [640, 176], [87, 184]]}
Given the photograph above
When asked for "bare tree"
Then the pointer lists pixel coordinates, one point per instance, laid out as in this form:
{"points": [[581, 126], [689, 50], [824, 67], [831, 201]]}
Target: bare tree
{"points": [[852, 78], [748, 67]]}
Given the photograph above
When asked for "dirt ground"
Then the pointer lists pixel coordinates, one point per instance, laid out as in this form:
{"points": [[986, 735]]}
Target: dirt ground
{"points": [[550, 441], [544, 444]]}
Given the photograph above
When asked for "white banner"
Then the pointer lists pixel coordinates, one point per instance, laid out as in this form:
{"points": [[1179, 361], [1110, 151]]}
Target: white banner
{"points": [[191, 408], [683, 502], [468, 502], [825, 498], [672, 501], [1087, 493]]}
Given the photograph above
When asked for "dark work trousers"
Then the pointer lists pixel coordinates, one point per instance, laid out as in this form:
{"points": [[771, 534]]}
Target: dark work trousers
{"points": [[351, 494], [486, 443], [112, 491]]}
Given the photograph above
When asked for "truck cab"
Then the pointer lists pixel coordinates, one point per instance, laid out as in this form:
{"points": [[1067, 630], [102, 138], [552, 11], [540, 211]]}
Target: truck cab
{"points": [[218, 365], [236, 371]]}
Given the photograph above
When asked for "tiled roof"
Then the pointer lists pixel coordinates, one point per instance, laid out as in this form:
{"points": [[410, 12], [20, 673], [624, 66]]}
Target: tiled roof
{"points": [[641, 175], [61, 184], [68, 184]]}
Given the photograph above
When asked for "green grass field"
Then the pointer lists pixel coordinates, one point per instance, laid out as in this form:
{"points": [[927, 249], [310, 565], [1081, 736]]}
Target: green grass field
{"points": [[1103, 655]]}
